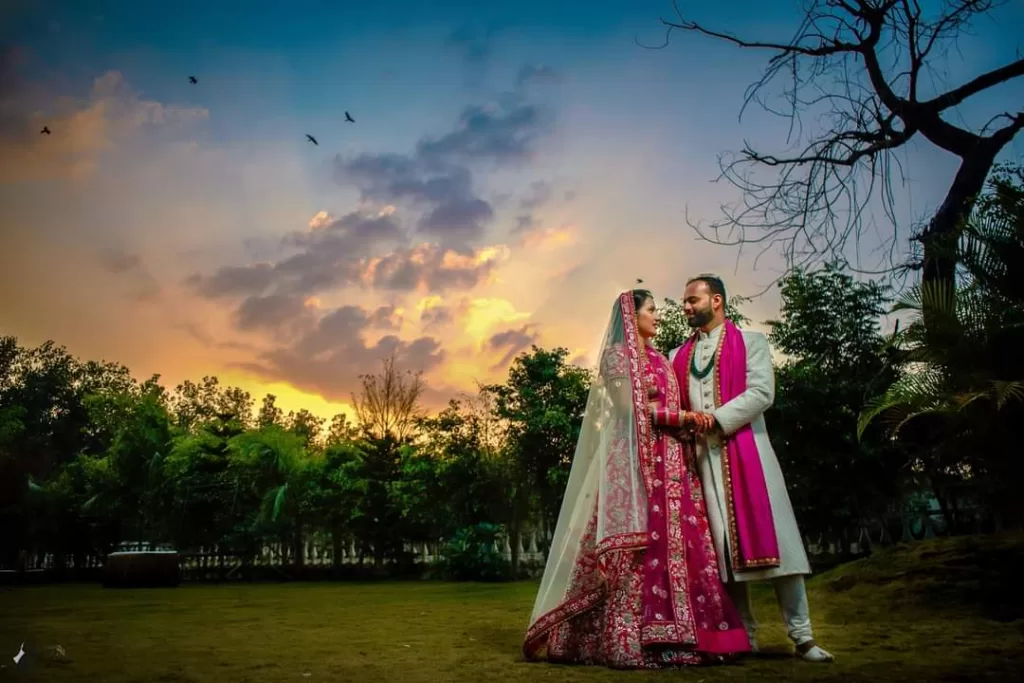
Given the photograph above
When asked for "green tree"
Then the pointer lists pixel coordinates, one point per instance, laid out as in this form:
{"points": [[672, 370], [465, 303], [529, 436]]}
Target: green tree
{"points": [[46, 424], [341, 488], [465, 467], [206, 499], [828, 328], [542, 403], [960, 397], [269, 413], [342, 430], [271, 465], [306, 425]]}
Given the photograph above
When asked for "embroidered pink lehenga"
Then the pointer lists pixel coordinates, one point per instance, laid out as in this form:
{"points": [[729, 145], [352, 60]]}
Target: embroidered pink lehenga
{"points": [[632, 579]]}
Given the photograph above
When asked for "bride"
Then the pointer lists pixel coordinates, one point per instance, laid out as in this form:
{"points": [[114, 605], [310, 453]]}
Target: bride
{"points": [[632, 578]]}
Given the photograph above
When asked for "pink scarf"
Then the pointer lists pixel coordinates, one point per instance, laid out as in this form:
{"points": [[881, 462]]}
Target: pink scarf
{"points": [[751, 526]]}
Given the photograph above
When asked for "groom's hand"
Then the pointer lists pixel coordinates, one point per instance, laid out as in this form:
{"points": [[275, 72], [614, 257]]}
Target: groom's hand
{"points": [[703, 422]]}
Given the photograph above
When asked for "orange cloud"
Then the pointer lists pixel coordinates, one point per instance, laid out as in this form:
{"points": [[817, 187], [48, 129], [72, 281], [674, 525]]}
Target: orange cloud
{"points": [[321, 220], [485, 315], [80, 130], [548, 239]]}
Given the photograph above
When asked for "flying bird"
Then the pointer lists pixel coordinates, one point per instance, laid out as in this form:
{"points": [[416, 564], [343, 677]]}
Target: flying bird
{"points": [[639, 281], [348, 117], [192, 80], [312, 139], [44, 131]]}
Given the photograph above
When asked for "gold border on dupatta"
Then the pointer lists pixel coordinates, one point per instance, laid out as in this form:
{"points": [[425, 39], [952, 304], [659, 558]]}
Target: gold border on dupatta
{"points": [[738, 563], [684, 627], [637, 361]]}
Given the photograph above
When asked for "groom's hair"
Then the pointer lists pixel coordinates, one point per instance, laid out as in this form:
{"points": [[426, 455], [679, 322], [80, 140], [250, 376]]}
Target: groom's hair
{"points": [[714, 283]]}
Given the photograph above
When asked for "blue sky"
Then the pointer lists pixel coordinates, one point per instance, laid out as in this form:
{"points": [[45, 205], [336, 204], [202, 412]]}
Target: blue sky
{"points": [[553, 157]]}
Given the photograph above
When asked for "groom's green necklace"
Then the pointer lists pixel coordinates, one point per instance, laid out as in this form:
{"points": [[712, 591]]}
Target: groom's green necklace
{"points": [[697, 372]]}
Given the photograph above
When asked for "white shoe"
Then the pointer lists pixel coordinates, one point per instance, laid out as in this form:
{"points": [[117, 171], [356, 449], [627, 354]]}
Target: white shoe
{"points": [[814, 653]]}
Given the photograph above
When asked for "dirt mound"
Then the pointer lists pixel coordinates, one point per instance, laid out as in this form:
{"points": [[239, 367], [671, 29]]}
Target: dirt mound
{"points": [[975, 574]]}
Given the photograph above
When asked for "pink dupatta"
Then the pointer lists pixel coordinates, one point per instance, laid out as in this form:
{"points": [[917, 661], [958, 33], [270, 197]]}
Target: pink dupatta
{"points": [[750, 525]]}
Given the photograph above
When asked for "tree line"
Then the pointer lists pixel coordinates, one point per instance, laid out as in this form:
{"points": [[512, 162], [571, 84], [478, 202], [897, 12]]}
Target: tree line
{"points": [[90, 456]]}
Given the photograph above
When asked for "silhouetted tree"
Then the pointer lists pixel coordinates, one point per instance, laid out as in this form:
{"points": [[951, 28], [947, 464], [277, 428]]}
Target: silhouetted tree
{"points": [[389, 402], [864, 67]]}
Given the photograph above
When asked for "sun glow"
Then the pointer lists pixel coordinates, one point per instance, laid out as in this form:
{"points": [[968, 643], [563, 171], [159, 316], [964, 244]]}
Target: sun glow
{"points": [[288, 398], [485, 316]]}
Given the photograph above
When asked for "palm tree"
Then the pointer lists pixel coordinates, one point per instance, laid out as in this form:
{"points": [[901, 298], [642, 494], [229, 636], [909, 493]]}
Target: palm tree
{"points": [[271, 465], [961, 388]]}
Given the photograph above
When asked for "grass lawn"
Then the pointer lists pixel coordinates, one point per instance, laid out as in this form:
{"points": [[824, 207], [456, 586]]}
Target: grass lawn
{"points": [[934, 611]]}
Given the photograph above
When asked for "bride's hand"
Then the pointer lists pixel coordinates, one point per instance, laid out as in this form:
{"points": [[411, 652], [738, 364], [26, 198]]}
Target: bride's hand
{"points": [[700, 423]]}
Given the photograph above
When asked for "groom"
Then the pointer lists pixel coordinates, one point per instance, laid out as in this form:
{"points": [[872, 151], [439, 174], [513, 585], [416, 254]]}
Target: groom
{"points": [[727, 374]]}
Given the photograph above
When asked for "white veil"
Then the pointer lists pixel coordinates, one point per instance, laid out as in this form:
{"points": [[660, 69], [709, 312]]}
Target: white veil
{"points": [[604, 509]]}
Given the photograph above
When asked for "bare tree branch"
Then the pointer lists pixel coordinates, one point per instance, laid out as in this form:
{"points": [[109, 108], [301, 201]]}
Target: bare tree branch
{"points": [[975, 86], [859, 68], [389, 402]]}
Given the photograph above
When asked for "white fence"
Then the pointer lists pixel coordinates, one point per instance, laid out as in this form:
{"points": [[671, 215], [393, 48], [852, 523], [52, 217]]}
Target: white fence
{"points": [[207, 562], [317, 553]]}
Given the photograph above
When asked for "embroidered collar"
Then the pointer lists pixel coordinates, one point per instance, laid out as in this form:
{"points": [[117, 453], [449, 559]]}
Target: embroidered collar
{"points": [[712, 335]]}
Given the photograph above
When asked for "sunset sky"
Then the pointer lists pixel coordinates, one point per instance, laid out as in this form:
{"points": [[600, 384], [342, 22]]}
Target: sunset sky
{"points": [[512, 167]]}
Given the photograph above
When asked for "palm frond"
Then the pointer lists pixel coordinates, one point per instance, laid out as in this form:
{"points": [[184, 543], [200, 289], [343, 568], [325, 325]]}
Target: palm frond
{"points": [[1003, 392]]}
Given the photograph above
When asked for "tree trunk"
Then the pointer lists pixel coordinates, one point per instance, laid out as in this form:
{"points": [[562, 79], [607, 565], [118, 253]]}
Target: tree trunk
{"points": [[513, 541], [298, 547], [337, 542], [940, 238]]}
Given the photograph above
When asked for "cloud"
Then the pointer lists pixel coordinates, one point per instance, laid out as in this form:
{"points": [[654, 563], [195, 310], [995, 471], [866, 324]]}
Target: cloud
{"points": [[329, 357], [131, 267], [82, 130], [436, 317], [530, 74], [354, 251], [525, 223], [547, 239], [117, 261], [502, 134], [512, 342], [430, 268], [387, 318], [539, 195], [458, 218], [419, 230], [452, 212], [234, 280], [436, 178], [278, 313], [331, 252], [474, 50], [436, 314], [472, 45]]}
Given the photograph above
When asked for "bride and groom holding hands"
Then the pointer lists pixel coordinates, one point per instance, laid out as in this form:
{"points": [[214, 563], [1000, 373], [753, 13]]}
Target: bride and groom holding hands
{"points": [[675, 502]]}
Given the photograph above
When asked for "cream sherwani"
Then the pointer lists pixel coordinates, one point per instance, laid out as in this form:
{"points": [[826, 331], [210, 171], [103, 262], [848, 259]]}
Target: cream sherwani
{"points": [[748, 408]]}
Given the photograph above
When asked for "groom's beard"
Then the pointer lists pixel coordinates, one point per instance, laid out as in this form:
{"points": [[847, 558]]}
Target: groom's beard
{"points": [[701, 318]]}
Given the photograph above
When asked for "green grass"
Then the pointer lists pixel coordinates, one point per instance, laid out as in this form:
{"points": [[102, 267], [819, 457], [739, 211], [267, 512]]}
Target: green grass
{"points": [[935, 611]]}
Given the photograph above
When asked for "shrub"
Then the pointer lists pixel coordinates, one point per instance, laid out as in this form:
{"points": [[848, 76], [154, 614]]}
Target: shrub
{"points": [[472, 555]]}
